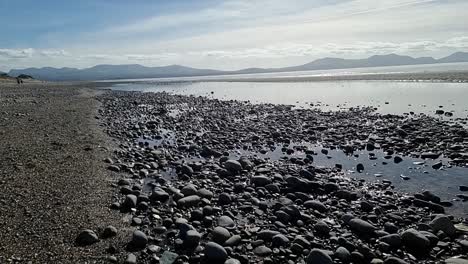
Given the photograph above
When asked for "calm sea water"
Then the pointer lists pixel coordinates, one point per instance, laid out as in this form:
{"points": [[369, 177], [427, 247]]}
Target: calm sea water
{"points": [[387, 96], [422, 68]]}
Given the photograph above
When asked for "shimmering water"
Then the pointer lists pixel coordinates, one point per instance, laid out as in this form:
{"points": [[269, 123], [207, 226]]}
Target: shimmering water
{"points": [[388, 96]]}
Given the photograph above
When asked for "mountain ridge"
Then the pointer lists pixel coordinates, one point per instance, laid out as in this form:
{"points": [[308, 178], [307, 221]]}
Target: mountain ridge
{"points": [[135, 71]]}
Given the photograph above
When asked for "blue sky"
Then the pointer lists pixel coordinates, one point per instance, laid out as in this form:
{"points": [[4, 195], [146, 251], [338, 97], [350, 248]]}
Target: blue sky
{"points": [[228, 34]]}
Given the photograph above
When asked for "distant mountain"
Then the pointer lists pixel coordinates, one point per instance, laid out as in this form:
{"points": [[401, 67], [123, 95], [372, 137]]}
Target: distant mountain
{"points": [[455, 57], [135, 71], [104, 72]]}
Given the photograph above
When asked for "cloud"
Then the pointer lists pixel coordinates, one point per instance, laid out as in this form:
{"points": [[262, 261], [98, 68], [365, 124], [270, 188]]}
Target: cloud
{"points": [[20, 54], [54, 53], [16, 53], [357, 48]]}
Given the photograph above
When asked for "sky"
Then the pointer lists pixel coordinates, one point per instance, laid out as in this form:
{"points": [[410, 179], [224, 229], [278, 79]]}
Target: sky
{"points": [[227, 35]]}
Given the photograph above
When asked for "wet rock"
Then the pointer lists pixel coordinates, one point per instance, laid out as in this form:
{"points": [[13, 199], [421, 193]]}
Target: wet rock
{"points": [[430, 155], [437, 165], [360, 167]]}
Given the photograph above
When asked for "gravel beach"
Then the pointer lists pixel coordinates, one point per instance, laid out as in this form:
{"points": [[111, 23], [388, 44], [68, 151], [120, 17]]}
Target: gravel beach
{"points": [[52, 179]]}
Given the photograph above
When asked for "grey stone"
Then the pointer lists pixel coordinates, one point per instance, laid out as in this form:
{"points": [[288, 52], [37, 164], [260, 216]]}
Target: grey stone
{"points": [[262, 251], [205, 193], [130, 201], [362, 226], [343, 254], [189, 201], [131, 259], [139, 239], [192, 238], [224, 198], [394, 260], [316, 205], [260, 180], [233, 241], [215, 252], [414, 240], [442, 222], [189, 189], [168, 257], [456, 261], [220, 234], [187, 170], [280, 240], [233, 166], [232, 261], [267, 235], [226, 221], [393, 240], [109, 231], [86, 237], [317, 256]]}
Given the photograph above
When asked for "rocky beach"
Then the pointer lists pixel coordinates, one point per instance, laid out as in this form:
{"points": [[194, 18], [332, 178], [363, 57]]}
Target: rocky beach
{"points": [[91, 175], [211, 181]]}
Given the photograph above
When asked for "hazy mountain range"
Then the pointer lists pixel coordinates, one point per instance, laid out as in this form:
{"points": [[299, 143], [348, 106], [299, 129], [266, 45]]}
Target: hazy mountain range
{"points": [[133, 71]]}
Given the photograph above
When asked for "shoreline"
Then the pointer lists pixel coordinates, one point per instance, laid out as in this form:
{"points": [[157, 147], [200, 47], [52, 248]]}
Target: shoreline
{"points": [[451, 77]]}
